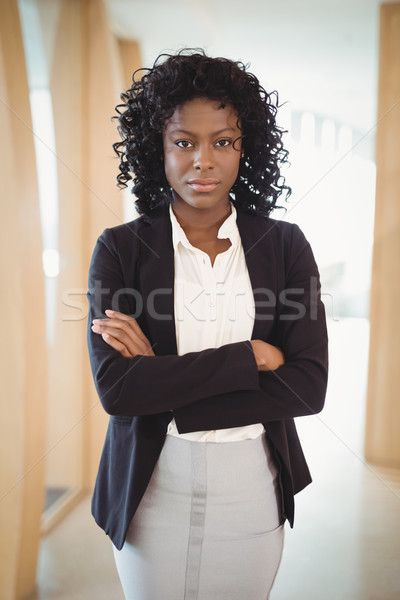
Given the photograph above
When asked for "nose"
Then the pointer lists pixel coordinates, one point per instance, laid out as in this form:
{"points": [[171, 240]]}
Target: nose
{"points": [[204, 158]]}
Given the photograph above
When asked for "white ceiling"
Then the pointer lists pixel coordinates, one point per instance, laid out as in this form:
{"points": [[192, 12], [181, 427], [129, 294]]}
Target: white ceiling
{"points": [[320, 55]]}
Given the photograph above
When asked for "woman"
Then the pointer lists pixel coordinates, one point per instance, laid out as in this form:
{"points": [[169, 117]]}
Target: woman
{"points": [[206, 337]]}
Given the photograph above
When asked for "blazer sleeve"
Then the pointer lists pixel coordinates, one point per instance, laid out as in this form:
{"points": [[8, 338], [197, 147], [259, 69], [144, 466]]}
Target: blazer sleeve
{"points": [[145, 385], [297, 388]]}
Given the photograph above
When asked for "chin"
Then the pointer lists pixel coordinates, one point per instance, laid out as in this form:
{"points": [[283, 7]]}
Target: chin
{"points": [[203, 201]]}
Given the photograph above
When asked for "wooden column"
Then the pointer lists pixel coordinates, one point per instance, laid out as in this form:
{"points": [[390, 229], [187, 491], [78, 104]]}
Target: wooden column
{"points": [[85, 85], [382, 439], [103, 79], [131, 60], [66, 428], [23, 348]]}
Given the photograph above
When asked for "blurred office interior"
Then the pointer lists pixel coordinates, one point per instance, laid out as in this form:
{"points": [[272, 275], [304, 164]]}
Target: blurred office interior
{"points": [[64, 63]]}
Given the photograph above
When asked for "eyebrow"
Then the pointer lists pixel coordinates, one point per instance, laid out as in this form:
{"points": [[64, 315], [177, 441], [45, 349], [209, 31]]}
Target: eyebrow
{"points": [[186, 132]]}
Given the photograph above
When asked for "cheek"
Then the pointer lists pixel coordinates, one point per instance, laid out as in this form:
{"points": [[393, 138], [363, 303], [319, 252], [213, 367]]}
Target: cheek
{"points": [[168, 168], [172, 165], [168, 160], [234, 167]]}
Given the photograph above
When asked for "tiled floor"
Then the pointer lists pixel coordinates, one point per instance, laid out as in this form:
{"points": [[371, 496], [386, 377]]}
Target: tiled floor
{"points": [[346, 542]]}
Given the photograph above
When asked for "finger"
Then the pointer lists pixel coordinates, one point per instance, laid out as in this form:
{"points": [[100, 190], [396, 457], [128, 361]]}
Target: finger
{"points": [[113, 324], [122, 348], [120, 320], [127, 338], [115, 327], [114, 314], [117, 345], [124, 335], [118, 315]]}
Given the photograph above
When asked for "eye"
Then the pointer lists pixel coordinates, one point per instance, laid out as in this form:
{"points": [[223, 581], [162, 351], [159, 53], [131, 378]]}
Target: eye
{"points": [[223, 143], [183, 144]]}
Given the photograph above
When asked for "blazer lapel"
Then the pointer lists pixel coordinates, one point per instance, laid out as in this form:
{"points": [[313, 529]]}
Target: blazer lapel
{"points": [[261, 263], [156, 274]]}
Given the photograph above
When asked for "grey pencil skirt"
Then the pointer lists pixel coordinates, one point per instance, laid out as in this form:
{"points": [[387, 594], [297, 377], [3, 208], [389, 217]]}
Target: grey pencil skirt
{"points": [[208, 527]]}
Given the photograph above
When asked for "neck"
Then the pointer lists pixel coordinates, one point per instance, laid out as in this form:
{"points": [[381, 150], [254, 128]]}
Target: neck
{"points": [[201, 220]]}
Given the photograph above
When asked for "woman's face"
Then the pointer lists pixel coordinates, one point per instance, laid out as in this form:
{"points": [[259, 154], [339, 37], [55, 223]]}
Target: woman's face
{"points": [[201, 164]]}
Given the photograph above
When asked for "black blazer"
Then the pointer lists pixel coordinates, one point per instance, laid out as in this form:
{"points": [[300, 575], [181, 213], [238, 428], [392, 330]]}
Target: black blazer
{"points": [[132, 270]]}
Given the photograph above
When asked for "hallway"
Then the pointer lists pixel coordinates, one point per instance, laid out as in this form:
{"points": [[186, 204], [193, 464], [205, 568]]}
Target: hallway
{"points": [[345, 544]]}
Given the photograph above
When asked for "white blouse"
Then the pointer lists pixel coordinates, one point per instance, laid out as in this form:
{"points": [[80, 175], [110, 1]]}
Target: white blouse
{"points": [[214, 305]]}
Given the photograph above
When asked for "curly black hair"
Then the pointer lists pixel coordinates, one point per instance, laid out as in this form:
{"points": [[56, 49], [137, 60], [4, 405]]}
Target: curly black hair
{"points": [[175, 79]]}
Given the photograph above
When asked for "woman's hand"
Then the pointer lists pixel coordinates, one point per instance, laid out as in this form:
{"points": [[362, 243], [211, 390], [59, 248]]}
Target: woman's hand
{"points": [[123, 334], [268, 357]]}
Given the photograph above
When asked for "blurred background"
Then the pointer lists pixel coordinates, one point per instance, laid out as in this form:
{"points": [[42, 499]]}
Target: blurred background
{"points": [[63, 65]]}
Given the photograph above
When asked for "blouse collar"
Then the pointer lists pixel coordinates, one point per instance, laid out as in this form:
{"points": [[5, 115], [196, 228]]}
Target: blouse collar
{"points": [[228, 229]]}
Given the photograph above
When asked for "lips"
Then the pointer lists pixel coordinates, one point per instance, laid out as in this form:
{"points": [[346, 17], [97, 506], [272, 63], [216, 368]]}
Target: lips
{"points": [[203, 185]]}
